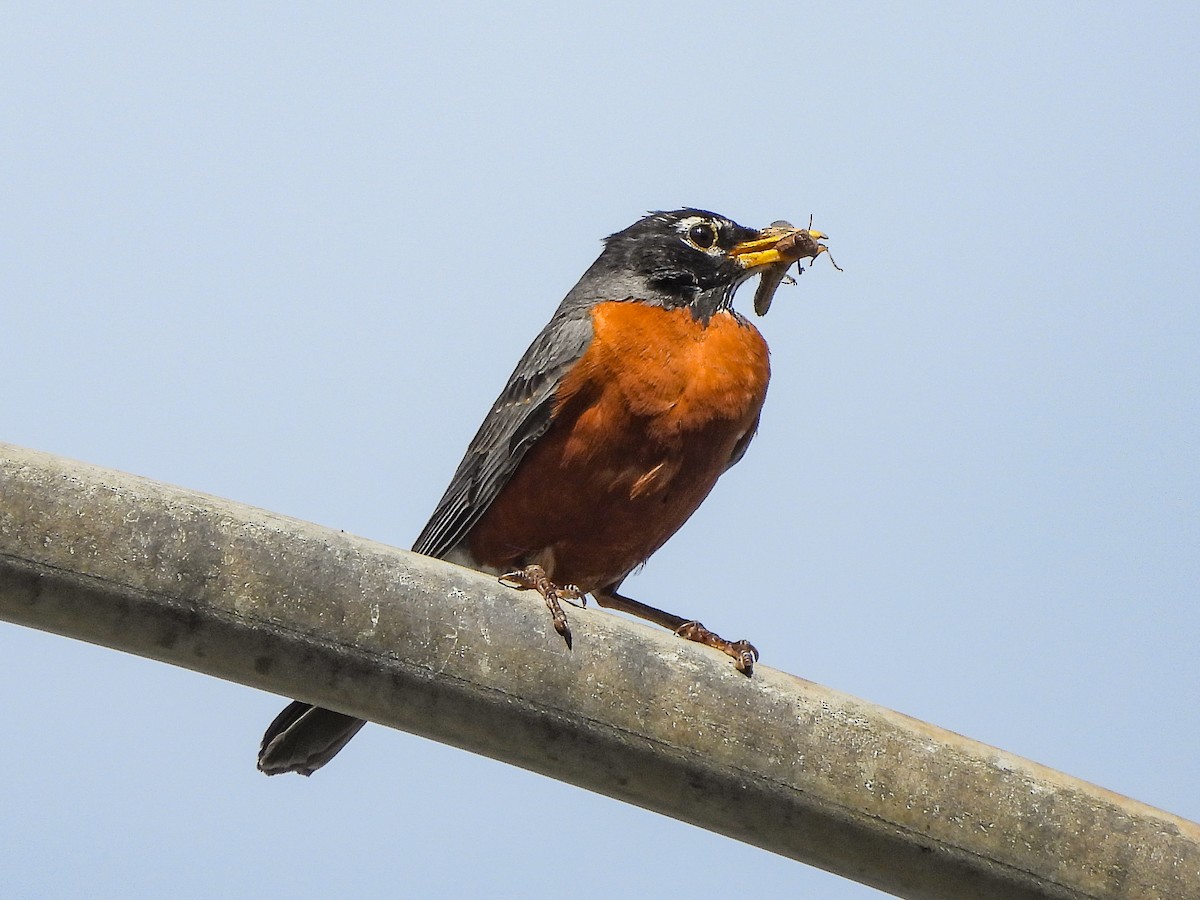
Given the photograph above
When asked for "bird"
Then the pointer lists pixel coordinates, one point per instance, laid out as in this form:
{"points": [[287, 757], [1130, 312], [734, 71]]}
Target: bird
{"points": [[643, 388]]}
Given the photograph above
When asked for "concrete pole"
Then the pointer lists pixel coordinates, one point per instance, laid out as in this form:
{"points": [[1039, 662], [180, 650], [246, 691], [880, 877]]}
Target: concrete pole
{"points": [[632, 712]]}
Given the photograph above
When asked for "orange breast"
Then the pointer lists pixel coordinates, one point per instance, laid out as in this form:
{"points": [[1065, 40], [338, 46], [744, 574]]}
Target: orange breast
{"points": [[643, 426]]}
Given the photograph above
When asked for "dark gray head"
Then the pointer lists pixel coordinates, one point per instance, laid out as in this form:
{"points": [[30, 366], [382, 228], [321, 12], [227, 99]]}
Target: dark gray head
{"points": [[685, 257]]}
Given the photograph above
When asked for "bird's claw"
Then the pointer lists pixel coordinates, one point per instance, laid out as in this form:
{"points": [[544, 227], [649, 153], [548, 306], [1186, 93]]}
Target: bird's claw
{"points": [[534, 578], [744, 654]]}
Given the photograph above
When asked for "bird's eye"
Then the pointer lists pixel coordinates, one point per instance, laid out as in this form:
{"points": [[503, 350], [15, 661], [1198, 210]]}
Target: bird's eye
{"points": [[703, 235]]}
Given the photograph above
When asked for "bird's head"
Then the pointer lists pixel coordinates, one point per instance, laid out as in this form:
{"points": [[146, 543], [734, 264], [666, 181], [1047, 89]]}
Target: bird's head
{"points": [[696, 258]]}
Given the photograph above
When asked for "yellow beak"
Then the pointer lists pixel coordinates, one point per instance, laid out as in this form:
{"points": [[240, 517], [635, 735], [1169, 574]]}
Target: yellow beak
{"points": [[779, 244]]}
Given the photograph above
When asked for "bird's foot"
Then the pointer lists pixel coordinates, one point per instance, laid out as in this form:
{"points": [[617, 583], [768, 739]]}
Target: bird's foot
{"points": [[534, 578], [744, 654]]}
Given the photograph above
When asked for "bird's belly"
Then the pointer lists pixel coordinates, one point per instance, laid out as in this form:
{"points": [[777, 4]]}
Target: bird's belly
{"points": [[643, 427]]}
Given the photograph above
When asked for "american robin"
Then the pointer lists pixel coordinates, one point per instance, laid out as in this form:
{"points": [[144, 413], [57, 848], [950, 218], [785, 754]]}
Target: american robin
{"points": [[644, 387]]}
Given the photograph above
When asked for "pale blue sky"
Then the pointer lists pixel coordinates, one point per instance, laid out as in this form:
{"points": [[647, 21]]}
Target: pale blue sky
{"points": [[287, 254]]}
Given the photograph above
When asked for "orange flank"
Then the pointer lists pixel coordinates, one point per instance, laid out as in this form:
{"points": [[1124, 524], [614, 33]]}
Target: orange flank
{"points": [[643, 426]]}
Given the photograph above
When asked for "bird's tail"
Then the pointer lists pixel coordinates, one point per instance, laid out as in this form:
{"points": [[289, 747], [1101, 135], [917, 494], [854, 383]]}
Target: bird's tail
{"points": [[303, 738]]}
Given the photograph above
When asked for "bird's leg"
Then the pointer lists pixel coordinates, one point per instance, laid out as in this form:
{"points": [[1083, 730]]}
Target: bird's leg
{"points": [[743, 652], [534, 578]]}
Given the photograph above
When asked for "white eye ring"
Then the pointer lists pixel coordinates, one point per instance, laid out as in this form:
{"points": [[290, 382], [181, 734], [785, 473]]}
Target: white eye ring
{"points": [[701, 233]]}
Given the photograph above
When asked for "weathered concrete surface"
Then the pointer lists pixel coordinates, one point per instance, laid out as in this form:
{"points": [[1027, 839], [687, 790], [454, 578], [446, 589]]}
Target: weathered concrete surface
{"points": [[631, 712]]}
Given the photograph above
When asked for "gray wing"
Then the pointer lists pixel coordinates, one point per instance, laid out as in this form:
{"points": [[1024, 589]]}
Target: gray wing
{"points": [[520, 415]]}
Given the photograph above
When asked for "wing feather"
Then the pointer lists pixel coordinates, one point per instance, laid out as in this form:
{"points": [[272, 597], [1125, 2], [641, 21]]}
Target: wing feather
{"points": [[520, 415]]}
